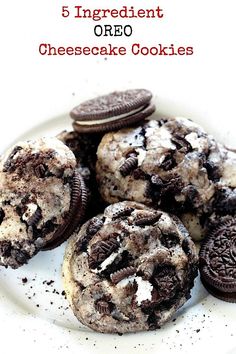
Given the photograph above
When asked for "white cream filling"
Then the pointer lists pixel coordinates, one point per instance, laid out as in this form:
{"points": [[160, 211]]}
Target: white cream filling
{"points": [[109, 260], [152, 124], [144, 291], [111, 119], [141, 155], [159, 139], [31, 209], [165, 221], [195, 141]]}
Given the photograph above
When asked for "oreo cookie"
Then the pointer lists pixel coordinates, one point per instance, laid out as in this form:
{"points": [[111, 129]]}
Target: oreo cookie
{"points": [[217, 261], [84, 147], [116, 110], [76, 213]]}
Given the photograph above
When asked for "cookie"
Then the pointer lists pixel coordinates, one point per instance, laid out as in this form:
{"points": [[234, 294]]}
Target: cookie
{"points": [[217, 261], [42, 196], [113, 111], [166, 164], [84, 147], [129, 269], [221, 207], [160, 163], [76, 213]]}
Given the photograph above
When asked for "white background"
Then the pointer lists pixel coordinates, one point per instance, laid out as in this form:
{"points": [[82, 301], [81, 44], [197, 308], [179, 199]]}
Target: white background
{"points": [[36, 88]]}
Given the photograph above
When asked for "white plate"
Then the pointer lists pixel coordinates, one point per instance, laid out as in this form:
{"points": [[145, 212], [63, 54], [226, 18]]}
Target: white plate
{"points": [[38, 313]]}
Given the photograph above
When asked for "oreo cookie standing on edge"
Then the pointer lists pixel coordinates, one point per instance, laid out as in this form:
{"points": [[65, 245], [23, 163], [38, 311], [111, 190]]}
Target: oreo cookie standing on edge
{"points": [[76, 213], [217, 261], [116, 110]]}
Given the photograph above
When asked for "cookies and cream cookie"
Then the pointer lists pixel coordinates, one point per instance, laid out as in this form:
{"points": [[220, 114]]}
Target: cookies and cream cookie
{"points": [[42, 198], [169, 164], [129, 269]]}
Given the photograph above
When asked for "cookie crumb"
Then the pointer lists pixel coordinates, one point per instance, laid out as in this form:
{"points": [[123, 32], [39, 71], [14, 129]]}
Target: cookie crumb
{"points": [[50, 282]]}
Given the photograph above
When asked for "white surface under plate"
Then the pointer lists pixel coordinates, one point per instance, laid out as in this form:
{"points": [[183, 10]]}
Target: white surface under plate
{"points": [[35, 316]]}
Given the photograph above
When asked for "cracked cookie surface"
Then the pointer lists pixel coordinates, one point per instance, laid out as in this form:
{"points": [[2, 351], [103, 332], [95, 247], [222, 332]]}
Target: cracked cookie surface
{"points": [[169, 164], [129, 269], [36, 179]]}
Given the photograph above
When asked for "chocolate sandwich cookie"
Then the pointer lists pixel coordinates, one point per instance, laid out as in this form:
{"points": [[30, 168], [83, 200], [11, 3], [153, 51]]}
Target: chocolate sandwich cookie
{"points": [[217, 261], [42, 199], [113, 111], [76, 213], [84, 147], [129, 269]]}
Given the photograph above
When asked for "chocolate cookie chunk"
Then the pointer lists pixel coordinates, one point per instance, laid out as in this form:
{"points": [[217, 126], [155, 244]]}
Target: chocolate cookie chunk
{"points": [[129, 269], [113, 111], [218, 261], [42, 199]]}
